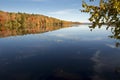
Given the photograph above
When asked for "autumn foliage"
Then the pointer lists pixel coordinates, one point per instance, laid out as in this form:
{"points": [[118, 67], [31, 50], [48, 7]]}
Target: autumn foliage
{"points": [[16, 21], [12, 24]]}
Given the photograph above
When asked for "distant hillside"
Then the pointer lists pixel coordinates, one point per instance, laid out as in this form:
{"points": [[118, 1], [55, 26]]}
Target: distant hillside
{"points": [[10, 20]]}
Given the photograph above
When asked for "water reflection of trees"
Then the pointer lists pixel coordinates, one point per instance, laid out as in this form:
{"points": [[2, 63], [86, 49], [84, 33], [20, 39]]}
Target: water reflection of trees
{"points": [[30, 30]]}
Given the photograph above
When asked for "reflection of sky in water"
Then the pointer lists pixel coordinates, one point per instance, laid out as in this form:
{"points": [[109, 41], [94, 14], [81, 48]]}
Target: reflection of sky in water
{"points": [[68, 52]]}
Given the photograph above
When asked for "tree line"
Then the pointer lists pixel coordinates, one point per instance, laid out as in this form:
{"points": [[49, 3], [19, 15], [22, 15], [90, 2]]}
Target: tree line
{"points": [[16, 21]]}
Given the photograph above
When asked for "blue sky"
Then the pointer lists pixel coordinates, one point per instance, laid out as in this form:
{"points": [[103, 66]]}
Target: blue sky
{"points": [[62, 9]]}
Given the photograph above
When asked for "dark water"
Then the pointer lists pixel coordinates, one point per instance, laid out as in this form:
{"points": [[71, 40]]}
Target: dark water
{"points": [[73, 53]]}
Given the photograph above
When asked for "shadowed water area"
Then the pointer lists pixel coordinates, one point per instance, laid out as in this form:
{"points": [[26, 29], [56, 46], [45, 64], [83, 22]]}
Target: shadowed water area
{"points": [[70, 53]]}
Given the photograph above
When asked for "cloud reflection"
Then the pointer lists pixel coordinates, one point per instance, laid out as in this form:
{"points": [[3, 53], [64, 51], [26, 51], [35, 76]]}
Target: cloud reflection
{"points": [[59, 41], [76, 38], [93, 39], [98, 66], [111, 46]]}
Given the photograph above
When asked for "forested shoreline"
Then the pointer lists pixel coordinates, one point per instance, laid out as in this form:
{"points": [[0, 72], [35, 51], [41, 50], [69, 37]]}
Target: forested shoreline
{"points": [[10, 20], [23, 23]]}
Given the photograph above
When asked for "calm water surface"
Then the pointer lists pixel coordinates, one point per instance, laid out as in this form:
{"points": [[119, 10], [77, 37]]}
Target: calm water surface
{"points": [[73, 53]]}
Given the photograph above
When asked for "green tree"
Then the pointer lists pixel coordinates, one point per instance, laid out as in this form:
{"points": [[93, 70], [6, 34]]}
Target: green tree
{"points": [[107, 12], [8, 24], [23, 20]]}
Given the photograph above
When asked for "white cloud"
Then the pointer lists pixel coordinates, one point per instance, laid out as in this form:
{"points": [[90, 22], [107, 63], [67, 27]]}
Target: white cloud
{"points": [[63, 12], [38, 0]]}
